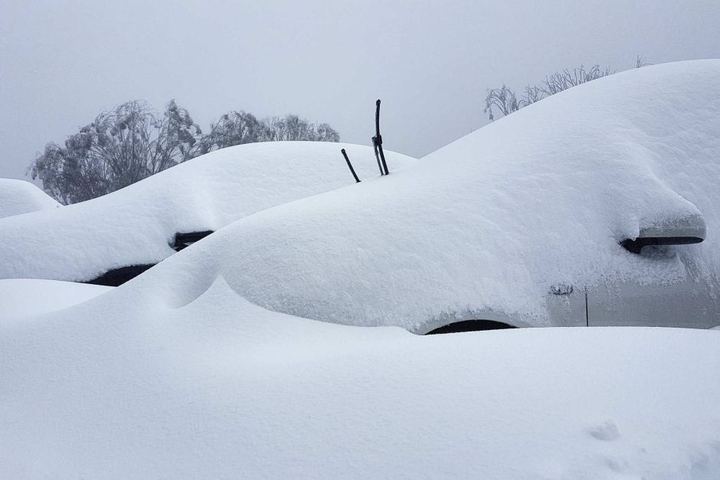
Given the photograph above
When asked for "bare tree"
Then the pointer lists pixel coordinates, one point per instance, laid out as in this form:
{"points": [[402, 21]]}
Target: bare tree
{"points": [[237, 128], [640, 61], [116, 149], [292, 127], [131, 142], [233, 128], [325, 133], [504, 101], [559, 81], [532, 94], [176, 139], [501, 99]]}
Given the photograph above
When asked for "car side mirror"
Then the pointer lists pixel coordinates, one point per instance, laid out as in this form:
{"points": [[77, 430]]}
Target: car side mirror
{"points": [[675, 231]]}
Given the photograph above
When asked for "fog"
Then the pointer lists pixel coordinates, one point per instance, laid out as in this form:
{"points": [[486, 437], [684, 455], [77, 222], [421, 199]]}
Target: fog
{"points": [[62, 62]]}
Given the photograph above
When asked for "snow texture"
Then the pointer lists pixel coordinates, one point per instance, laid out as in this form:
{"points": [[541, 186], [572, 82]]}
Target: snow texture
{"points": [[493, 220], [19, 196], [132, 386], [28, 297], [137, 224]]}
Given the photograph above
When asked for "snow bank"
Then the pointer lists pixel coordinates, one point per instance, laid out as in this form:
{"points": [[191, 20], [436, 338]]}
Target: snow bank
{"points": [[21, 298], [135, 225], [19, 196], [491, 221], [127, 386]]}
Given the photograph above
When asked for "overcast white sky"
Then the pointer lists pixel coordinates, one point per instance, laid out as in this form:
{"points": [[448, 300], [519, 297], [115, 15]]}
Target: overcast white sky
{"points": [[62, 62]]}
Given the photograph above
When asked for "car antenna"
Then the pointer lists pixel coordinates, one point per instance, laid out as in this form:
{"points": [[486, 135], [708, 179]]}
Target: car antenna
{"points": [[377, 141], [347, 160]]}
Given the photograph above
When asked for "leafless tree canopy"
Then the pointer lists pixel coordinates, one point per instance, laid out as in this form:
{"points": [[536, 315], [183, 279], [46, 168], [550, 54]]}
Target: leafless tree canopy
{"points": [[130, 143], [292, 127], [504, 101], [116, 149], [237, 128], [233, 128], [559, 81]]}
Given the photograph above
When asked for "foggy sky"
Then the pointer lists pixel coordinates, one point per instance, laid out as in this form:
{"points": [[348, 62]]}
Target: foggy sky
{"points": [[62, 62]]}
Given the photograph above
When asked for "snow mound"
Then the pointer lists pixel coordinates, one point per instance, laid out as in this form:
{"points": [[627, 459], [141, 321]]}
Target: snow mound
{"points": [[20, 298], [491, 221], [137, 224], [19, 196], [121, 387]]}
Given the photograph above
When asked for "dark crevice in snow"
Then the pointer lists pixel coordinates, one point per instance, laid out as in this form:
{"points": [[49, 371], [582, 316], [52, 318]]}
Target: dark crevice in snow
{"points": [[184, 240], [470, 326], [118, 276]]}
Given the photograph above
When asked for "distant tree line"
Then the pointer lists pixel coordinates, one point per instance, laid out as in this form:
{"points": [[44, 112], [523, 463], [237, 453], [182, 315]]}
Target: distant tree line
{"points": [[504, 101], [131, 142]]}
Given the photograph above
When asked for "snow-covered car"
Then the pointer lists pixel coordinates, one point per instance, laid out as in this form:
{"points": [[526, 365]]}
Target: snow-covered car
{"points": [[18, 197], [180, 373], [113, 238], [538, 219]]}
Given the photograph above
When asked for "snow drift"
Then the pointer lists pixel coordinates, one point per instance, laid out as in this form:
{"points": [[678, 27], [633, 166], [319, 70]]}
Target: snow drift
{"points": [[491, 221], [19, 196], [22, 298], [127, 386], [136, 225]]}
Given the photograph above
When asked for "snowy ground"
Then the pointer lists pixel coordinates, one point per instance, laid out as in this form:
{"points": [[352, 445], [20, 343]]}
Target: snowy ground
{"points": [[222, 389], [26, 297]]}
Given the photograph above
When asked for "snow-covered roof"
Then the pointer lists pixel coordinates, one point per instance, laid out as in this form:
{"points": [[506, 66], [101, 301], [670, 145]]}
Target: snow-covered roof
{"points": [[136, 225], [19, 196], [494, 219]]}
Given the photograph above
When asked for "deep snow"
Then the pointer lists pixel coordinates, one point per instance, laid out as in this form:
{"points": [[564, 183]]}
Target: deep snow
{"points": [[21, 298], [493, 220], [180, 374], [131, 386], [19, 196], [137, 224]]}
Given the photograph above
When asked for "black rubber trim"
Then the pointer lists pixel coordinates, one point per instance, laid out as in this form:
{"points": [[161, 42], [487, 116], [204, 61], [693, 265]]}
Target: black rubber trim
{"points": [[118, 276], [469, 326], [184, 240], [636, 245]]}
